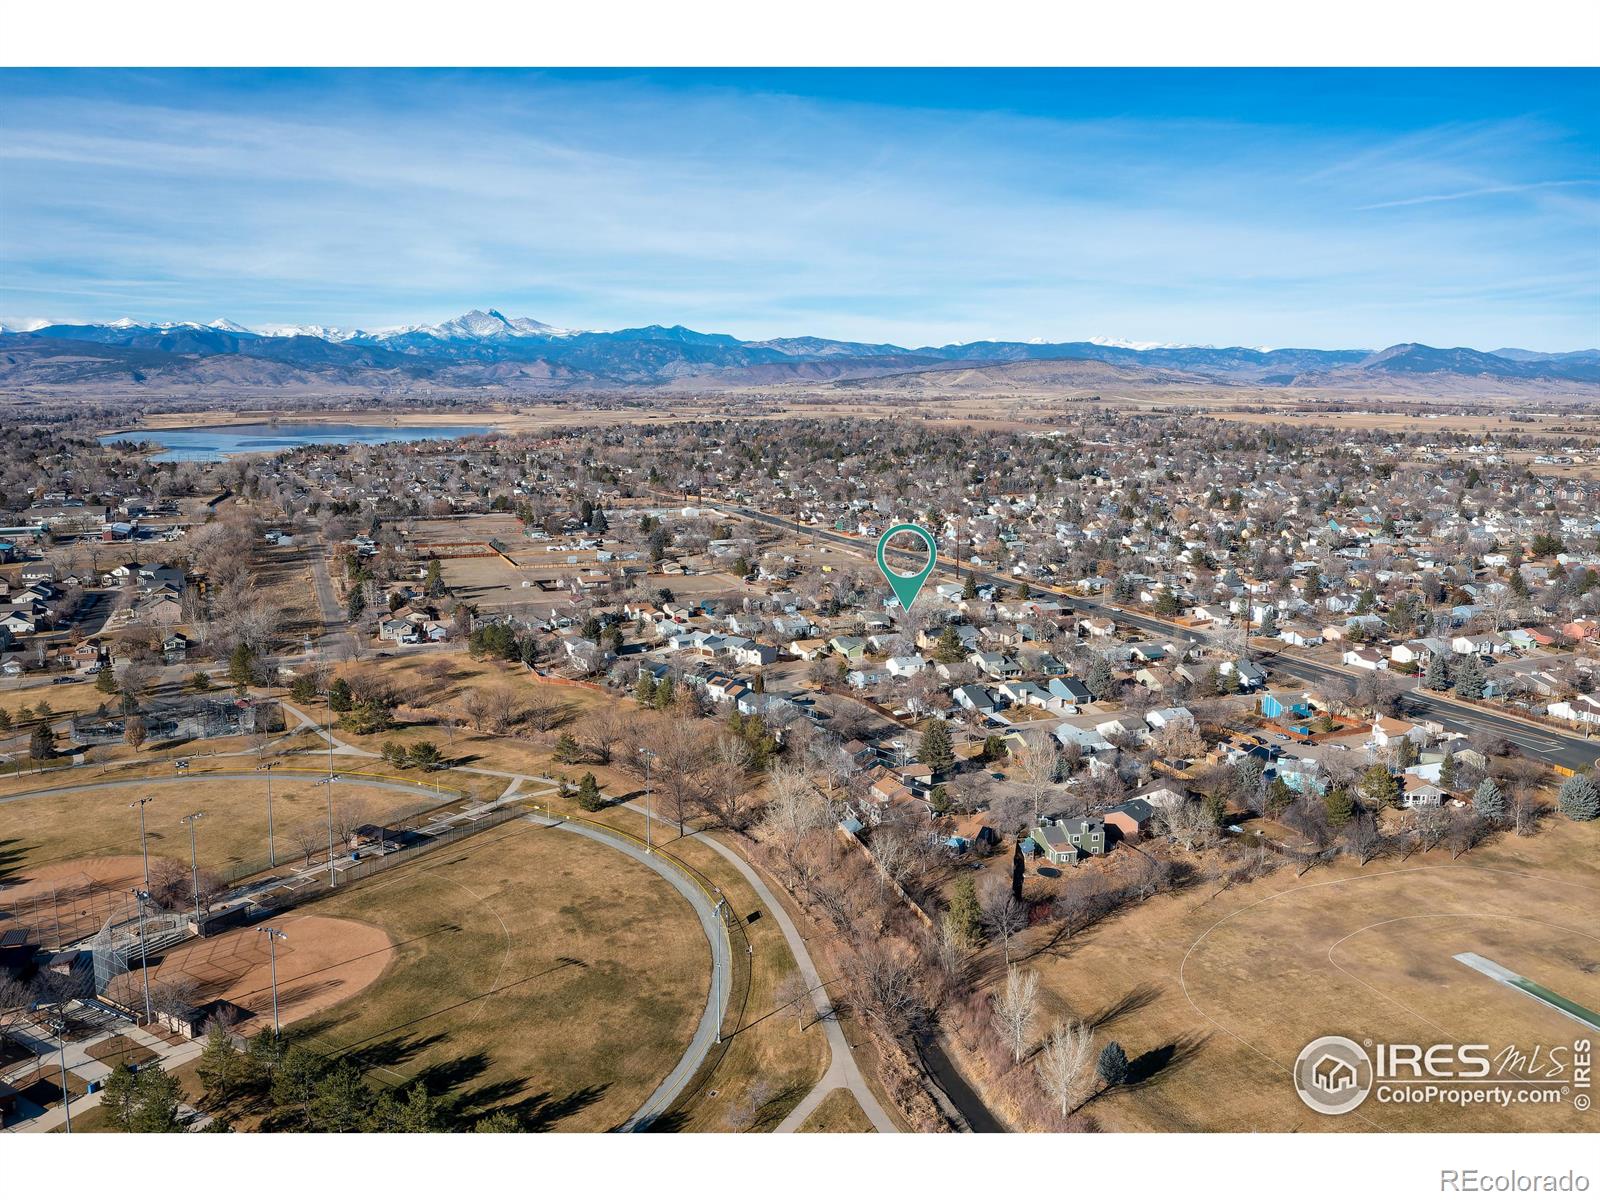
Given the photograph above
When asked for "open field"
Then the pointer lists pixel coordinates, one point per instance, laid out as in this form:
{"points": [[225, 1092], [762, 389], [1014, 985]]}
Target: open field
{"points": [[56, 828], [1213, 995], [531, 971]]}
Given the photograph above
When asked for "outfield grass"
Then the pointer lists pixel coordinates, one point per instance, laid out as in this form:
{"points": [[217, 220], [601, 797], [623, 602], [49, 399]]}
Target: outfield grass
{"points": [[533, 971], [767, 1064], [35, 831]]}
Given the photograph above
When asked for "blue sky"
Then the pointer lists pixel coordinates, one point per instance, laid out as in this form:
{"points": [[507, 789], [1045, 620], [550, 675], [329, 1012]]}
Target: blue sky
{"points": [[1257, 207]]}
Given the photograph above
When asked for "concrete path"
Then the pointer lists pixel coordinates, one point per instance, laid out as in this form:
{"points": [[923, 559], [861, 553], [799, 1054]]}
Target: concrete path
{"points": [[843, 1071], [89, 1069], [706, 1034]]}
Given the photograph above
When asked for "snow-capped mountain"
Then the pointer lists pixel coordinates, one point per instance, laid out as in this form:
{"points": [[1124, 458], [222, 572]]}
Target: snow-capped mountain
{"points": [[485, 347], [480, 324]]}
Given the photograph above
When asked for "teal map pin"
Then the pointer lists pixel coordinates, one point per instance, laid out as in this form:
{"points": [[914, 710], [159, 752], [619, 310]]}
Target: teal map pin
{"points": [[906, 587]]}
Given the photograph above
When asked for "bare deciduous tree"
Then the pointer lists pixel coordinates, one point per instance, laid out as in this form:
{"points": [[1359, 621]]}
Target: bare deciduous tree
{"points": [[1015, 1010], [1003, 916], [1065, 1062]]}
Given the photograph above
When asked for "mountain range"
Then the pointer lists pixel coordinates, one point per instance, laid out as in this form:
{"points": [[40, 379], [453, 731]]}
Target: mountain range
{"points": [[487, 348]]}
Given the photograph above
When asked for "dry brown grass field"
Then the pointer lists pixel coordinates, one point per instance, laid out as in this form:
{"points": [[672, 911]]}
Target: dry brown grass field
{"points": [[838, 1113], [36, 830], [532, 970], [1212, 994]]}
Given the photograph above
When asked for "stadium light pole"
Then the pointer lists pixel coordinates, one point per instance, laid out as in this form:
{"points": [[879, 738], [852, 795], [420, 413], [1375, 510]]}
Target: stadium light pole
{"points": [[716, 982], [649, 795], [58, 1026], [328, 783], [273, 935], [272, 845], [144, 846], [144, 958], [194, 862]]}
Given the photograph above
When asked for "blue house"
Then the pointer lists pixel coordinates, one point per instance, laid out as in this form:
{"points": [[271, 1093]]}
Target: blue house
{"points": [[1276, 705]]}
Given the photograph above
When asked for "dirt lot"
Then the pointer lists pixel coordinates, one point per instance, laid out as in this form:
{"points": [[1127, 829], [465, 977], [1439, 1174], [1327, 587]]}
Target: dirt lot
{"points": [[1213, 995], [531, 971]]}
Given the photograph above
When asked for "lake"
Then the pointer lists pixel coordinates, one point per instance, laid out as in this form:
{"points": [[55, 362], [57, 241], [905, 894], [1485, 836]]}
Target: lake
{"points": [[212, 443]]}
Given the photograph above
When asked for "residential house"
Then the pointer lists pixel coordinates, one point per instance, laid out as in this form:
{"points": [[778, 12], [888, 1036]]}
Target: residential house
{"points": [[1364, 659], [1131, 819], [1583, 709], [1065, 840]]}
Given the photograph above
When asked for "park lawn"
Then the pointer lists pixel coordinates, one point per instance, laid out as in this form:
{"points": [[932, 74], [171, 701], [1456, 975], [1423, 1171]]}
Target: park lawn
{"points": [[40, 830], [533, 971], [1213, 992], [155, 759], [767, 1063], [838, 1113]]}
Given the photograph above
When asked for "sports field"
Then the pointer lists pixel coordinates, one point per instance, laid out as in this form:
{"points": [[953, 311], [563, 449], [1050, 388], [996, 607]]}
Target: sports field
{"points": [[322, 961], [532, 970], [79, 817], [1213, 995]]}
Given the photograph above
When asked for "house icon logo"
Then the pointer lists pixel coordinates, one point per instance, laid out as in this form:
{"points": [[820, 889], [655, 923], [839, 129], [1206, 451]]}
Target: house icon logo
{"points": [[1333, 1075]]}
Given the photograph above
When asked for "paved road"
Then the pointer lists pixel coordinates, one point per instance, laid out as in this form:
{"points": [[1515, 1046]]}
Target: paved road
{"points": [[1565, 749], [337, 640]]}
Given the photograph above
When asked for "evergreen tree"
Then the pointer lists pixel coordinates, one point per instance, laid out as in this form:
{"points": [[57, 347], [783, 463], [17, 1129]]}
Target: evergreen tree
{"points": [[567, 750], [414, 1111], [1279, 795], [1469, 678], [242, 665], [589, 797], [340, 698], [341, 1101], [664, 693], [644, 691], [119, 1097], [1447, 771], [222, 1065], [294, 1083], [201, 682], [106, 681], [1018, 873], [41, 742], [1489, 802], [1113, 1065], [1380, 788], [159, 1098], [1580, 798], [1024, 592], [966, 917], [936, 749], [994, 748], [425, 756], [499, 1121], [1099, 679], [949, 649], [1341, 807], [969, 587]]}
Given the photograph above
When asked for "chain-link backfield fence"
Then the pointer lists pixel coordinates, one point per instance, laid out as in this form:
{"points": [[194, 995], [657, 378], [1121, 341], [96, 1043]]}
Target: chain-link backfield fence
{"points": [[124, 942]]}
